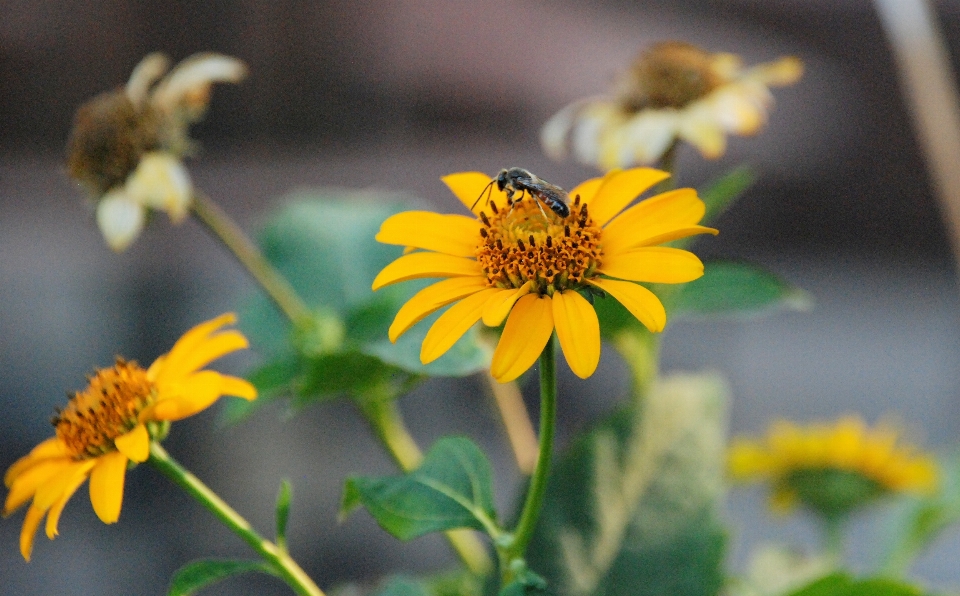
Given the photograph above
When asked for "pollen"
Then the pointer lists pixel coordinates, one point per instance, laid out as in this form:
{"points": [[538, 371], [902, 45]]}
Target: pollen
{"points": [[525, 242], [105, 410]]}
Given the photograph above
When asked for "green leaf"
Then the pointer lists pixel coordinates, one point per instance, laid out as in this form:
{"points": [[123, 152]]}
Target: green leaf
{"points": [[632, 509], [723, 193], [840, 584], [403, 586], [451, 489], [738, 289], [199, 574], [283, 512]]}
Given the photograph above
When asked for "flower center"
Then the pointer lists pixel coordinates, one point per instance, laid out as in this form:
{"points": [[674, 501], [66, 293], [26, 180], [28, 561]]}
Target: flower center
{"points": [[529, 242], [670, 74], [105, 410]]}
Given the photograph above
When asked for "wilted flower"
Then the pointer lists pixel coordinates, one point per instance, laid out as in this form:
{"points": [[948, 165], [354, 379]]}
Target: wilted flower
{"points": [[111, 423], [674, 91], [127, 144], [532, 267], [832, 468]]}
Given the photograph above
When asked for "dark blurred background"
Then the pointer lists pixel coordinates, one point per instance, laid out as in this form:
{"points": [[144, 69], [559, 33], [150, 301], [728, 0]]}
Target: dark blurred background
{"points": [[395, 94]]}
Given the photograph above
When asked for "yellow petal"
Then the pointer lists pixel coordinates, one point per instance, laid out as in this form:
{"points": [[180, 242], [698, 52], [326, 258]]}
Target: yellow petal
{"points": [[449, 234], [651, 218], [26, 485], [785, 71], [498, 306], [189, 341], [641, 302], [50, 448], [475, 190], [106, 486], [430, 299], [704, 133], [181, 364], [237, 387], [528, 329], [587, 189], [426, 264], [578, 330], [29, 530], [196, 393], [452, 324], [135, 444], [53, 516], [619, 189], [656, 264]]}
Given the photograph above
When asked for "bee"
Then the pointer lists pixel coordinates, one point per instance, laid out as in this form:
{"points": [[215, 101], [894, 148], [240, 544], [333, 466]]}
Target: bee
{"points": [[514, 180]]}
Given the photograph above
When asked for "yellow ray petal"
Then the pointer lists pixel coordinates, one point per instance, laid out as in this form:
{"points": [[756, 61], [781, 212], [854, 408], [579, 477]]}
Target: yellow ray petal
{"points": [[473, 190], [587, 189], [182, 364], [106, 486], [705, 134], [452, 324], [641, 302], [29, 481], [52, 489], [528, 329], [680, 208], [53, 516], [449, 234], [425, 264], [29, 530], [189, 340], [578, 330], [498, 306], [50, 448], [196, 393], [135, 444], [656, 264], [430, 299], [619, 189], [237, 387]]}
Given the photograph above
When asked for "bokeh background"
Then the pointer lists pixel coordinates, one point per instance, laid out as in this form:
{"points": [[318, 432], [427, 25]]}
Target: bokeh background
{"points": [[394, 94]]}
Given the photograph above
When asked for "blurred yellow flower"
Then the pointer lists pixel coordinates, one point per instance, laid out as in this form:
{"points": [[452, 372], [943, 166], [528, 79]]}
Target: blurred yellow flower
{"points": [[674, 91], [126, 145], [832, 468], [111, 423], [531, 267]]}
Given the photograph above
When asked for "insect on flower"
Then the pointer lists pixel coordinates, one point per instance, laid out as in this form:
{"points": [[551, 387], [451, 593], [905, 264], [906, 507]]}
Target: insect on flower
{"points": [[514, 180]]}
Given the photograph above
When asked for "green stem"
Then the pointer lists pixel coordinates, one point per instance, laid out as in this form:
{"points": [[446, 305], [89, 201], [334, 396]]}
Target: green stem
{"points": [[833, 538], [278, 558], [517, 548], [641, 352], [274, 284], [387, 422]]}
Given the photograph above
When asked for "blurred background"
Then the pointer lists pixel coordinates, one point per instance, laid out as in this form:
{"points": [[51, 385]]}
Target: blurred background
{"points": [[393, 95]]}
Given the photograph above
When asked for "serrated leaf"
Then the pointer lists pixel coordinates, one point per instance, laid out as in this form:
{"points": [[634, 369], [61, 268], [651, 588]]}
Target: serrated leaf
{"points": [[840, 584], [451, 489], [730, 288], [632, 507], [199, 574]]}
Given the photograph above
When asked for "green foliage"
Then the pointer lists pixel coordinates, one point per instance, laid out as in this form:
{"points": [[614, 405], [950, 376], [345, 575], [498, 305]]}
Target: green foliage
{"points": [[448, 584], [632, 507], [283, 512], [451, 489], [199, 574], [840, 584], [323, 243], [721, 194]]}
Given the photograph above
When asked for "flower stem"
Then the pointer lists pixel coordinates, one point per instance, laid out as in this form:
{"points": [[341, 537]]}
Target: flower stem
{"points": [[274, 284], [538, 482], [833, 537], [385, 419], [278, 558]]}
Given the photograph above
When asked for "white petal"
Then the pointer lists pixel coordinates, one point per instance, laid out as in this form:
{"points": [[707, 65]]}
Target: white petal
{"points": [[144, 75], [190, 80], [591, 128], [120, 218], [161, 182], [646, 137]]}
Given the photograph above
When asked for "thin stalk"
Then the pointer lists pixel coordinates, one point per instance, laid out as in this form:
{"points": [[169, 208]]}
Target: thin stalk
{"points": [[538, 482], [387, 422], [278, 558], [833, 538], [516, 422], [273, 283]]}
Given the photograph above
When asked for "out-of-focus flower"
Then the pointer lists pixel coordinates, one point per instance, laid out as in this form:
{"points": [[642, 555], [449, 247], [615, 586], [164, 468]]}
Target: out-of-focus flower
{"points": [[674, 91], [533, 268], [832, 468], [111, 423], [126, 146]]}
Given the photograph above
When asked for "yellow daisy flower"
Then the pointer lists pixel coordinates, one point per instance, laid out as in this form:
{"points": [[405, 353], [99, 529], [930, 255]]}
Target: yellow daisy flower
{"points": [[525, 263], [674, 91], [111, 423], [832, 468], [126, 146]]}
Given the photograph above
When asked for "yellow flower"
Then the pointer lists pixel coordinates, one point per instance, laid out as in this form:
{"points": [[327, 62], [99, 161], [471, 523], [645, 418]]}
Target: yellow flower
{"points": [[126, 146], [528, 265], [675, 91], [832, 468], [111, 423]]}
